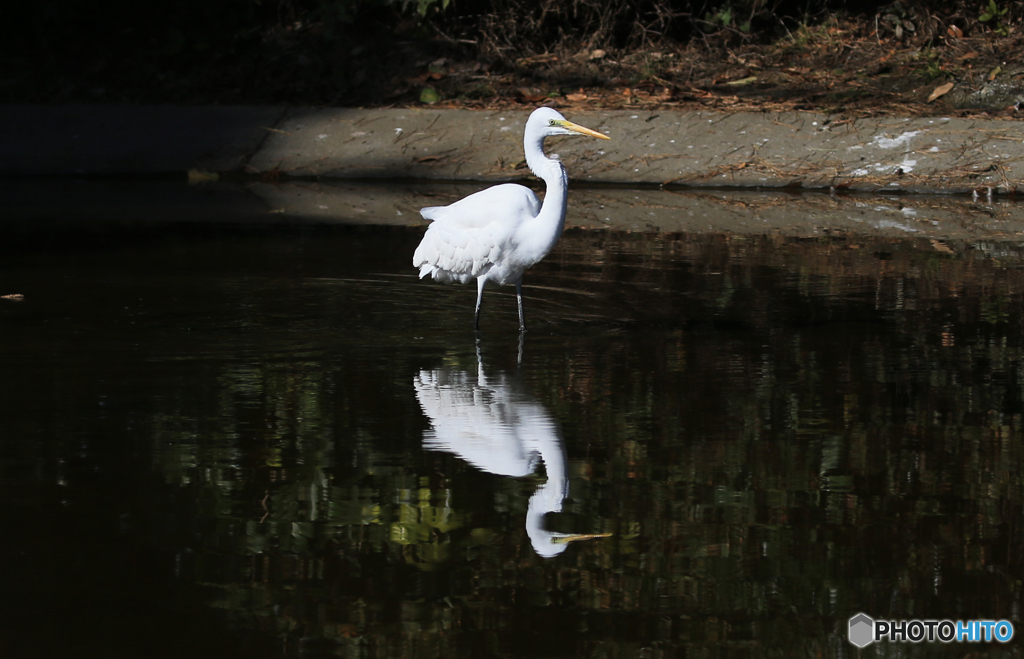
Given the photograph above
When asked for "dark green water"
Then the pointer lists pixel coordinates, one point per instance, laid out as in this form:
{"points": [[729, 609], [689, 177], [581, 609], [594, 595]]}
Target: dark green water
{"points": [[212, 445]]}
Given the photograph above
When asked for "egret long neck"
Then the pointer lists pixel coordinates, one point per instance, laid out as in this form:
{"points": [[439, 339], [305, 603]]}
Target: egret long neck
{"points": [[544, 230], [549, 497]]}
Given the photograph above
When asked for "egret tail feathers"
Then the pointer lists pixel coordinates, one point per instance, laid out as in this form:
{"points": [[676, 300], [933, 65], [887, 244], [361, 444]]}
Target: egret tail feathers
{"points": [[431, 212]]}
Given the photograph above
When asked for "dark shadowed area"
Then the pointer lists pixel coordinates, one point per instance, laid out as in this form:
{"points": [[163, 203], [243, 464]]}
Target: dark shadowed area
{"points": [[214, 442]]}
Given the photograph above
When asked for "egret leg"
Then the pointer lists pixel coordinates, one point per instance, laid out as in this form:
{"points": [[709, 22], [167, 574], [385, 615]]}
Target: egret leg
{"points": [[519, 298], [480, 281], [480, 377]]}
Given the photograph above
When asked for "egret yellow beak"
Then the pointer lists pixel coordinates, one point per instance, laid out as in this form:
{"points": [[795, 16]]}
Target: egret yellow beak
{"points": [[566, 539], [568, 125]]}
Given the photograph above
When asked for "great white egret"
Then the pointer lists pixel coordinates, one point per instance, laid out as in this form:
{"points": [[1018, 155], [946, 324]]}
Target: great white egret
{"points": [[498, 428], [497, 233]]}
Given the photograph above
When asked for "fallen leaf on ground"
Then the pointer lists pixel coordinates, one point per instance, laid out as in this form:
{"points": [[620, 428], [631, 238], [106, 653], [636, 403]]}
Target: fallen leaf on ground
{"points": [[429, 96], [939, 91], [537, 59], [532, 94]]}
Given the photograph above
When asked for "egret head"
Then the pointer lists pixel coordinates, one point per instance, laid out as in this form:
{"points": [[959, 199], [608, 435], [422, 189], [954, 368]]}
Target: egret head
{"points": [[548, 499], [546, 121]]}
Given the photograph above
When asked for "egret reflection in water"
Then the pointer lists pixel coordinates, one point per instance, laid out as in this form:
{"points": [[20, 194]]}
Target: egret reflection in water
{"points": [[498, 428]]}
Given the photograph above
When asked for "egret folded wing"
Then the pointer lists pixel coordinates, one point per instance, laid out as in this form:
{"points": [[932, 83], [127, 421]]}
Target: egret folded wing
{"points": [[468, 237]]}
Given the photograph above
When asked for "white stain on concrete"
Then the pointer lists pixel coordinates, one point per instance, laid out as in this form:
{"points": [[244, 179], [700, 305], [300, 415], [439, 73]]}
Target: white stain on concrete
{"points": [[884, 142], [907, 165]]}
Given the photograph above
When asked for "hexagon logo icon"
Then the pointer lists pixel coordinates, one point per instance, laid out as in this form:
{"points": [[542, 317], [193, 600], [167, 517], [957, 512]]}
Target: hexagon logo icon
{"points": [[862, 630]]}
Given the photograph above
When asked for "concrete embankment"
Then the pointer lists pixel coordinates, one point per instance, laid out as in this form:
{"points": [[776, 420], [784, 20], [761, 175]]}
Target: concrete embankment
{"points": [[666, 147], [320, 163]]}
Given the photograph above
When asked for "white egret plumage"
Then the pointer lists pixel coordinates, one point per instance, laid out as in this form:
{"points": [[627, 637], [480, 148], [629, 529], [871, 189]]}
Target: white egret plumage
{"points": [[496, 234], [497, 428]]}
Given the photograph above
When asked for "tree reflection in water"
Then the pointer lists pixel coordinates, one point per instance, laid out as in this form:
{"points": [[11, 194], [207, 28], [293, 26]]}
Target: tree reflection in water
{"points": [[777, 432]]}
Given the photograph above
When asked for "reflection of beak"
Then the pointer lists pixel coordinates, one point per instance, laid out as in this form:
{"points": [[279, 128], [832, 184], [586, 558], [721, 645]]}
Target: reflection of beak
{"points": [[566, 539], [576, 128]]}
